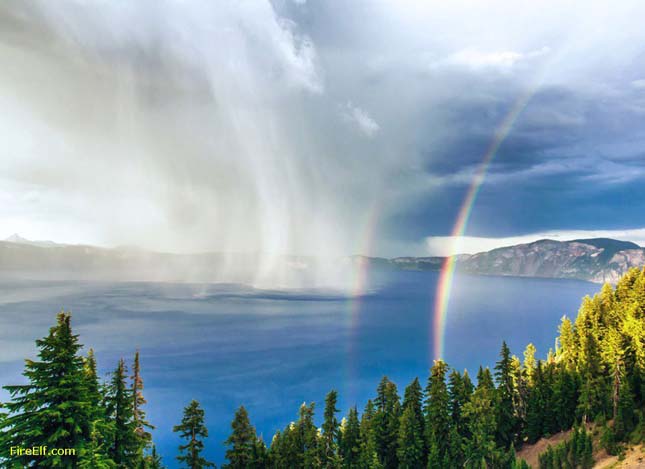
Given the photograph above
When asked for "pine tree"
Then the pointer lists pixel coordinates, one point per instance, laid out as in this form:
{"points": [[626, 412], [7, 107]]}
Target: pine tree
{"points": [[330, 432], [306, 437], [587, 455], [413, 398], [506, 422], [242, 442], [153, 460], [480, 414], [102, 433], [437, 415], [123, 447], [386, 423], [410, 450], [141, 426], [567, 353], [193, 429], [54, 408], [529, 362], [592, 391], [459, 391], [536, 406], [260, 454], [369, 448], [350, 446], [94, 456]]}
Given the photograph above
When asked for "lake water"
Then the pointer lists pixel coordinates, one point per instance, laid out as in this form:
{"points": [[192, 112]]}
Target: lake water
{"points": [[227, 345]]}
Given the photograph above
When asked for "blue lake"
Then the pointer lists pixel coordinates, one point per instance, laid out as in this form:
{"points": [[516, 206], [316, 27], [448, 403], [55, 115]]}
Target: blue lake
{"points": [[227, 345]]}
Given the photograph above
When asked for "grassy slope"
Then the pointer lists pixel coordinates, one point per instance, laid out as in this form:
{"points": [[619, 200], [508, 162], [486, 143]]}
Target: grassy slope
{"points": [[634, 457]]}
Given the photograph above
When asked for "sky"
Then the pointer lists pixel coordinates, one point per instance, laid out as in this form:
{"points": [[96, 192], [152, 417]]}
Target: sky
{"points": [[320, 127]]}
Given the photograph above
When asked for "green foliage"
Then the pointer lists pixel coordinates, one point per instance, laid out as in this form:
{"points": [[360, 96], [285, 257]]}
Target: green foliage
{"points": [[245, 450], [386, 423], [192, 429], [124, 445], [506, 416], [350, 440], [143, 438], [330, 432], [410, 449], [153, 460], [437, 408], [576, 452], [55, 409]]}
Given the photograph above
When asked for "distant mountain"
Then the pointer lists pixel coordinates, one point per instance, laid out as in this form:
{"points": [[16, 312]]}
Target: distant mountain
{"points": [[16, 238], [22, 258], [595, 260]]}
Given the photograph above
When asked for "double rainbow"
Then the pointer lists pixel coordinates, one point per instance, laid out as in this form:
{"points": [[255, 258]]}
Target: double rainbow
{"points": [[446, 276]]}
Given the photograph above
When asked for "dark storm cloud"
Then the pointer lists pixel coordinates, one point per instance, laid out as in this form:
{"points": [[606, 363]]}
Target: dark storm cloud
{"points": [[283, 126]]}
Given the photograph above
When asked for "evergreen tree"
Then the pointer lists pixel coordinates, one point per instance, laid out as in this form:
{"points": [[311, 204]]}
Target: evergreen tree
{"points": [[192, 429], [306, 437], [529, 362], [54, 408], [102, 433], [386, 423], [369, 449], [260, 454], [437, 415], [143, 437], [592, 391], [506, 421], [124, 444], [413, 398], [459, 391], [536, 406], [350, 445], [410, 445], [94, 456], [330, 432], [153, 460], [567, 353], [480, 448], [242, 442]]}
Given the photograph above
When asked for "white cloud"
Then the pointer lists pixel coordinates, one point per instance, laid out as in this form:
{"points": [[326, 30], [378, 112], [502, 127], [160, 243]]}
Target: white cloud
{"points": [[503, 60], [361, 119], [639, 84], [448, 245]]}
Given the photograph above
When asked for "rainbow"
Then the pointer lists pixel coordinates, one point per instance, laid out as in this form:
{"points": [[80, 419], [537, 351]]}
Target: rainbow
{"points": [[358, 290], [446, 275]]}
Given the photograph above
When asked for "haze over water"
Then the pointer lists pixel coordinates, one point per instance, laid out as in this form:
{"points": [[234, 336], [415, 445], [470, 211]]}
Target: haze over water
{"points": [[228, 345]]}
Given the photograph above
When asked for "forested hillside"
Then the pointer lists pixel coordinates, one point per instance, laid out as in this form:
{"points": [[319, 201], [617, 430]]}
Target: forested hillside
{"points": [[595, 373]]}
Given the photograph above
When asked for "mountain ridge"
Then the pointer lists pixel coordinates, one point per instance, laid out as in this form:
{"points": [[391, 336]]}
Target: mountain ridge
{"points": [[596, 260]]}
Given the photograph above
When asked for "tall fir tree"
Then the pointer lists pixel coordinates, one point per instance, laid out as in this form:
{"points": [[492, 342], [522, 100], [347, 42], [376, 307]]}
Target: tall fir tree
{"points": [[506, 417], [193, 429], [102, 433], [386, 422], [369, 457], [306, 437], [54, 409], [410, 448], [350, 441], [124, 444], [153, 460], [437, 408], [330, 432], [480, 448], [143, 436], [242, 442]]}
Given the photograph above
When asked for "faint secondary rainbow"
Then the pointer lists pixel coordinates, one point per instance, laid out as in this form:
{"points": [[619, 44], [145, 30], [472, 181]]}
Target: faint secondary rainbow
{"points": [[360, 271], [446, 275]]}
